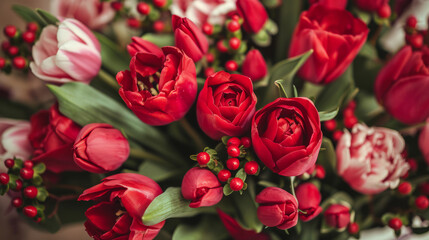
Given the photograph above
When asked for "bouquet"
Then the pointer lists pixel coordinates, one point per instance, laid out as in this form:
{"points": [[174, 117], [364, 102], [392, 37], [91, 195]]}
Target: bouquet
{"points": [[231, 119]]}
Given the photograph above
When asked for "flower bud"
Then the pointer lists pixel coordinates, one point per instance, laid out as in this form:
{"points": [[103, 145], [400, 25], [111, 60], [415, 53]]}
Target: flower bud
{"points": [[309, 199], [254, 65], [189, 38], [140, 45], [337, 216]]}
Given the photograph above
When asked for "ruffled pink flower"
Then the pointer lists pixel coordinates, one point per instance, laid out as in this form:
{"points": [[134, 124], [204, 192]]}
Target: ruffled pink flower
{"points": [[14, 139]]}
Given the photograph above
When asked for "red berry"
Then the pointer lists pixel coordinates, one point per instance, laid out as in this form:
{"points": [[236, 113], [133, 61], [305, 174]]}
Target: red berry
{"points": [[353, 228], [412, 22], [17, 202], [221, 46], [234, 43], [404, 188], [235, 17], [348, 112], [9, 163], [32, 27], [233, 151], [337, 135], [2, 63], [352, 105], [30, 211], [233, 163], [231, 65], [246, 142], [236, 184], [159, 3], [395, 223], [133, 22], [209, 57], [29, 37], [330, 125], [4, 178], [30, 192], [28, 164], [424, 188], [13, 50], [19, 62], [18, 185], [234, 141], [117, 6], [320, 172], [251, 167], [415, 40], [208, 29], [5, 45], [27, 173], [10, 31], [413, 164], [158, 26], [203, 158], [384, 11], [349, 122], [233, 26], [143, 8], [224, 175], [209, 71], [422, 202]]}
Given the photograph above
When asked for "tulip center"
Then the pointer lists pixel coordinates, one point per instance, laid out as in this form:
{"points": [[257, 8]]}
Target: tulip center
{"points": [[201, 192], [149, 85]]}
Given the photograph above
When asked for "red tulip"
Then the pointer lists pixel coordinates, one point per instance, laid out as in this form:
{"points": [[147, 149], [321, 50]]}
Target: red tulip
{"points": [[226, 105], [308, 201], [337, 216], [332, 4], [424, 141], [140, 45], [254, 14], [254, 65], [121, 200], [236, 231], [370, 5]]}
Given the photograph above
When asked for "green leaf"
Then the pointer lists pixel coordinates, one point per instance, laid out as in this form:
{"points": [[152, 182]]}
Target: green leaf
{"points": [[328, 115], [113, 58], [39, 168], [169, 204], [10, 109], [288, 17], [247, 208], [49, 18], [51, 225], [161, 40], [338, 198], [386, 218], [368, 51], [227, 190], [209, 228], [4, 189], [157, 172], [28, 15], [42, 194], [241, 174], [328, 157], [84, 105]]}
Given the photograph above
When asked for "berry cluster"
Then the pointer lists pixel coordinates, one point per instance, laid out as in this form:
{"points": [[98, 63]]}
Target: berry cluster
{"points": [[414, 37], [349, 120], [238, 160], [24, 178]]}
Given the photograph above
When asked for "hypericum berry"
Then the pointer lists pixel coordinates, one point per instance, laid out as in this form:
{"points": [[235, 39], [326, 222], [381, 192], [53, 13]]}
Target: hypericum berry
{"points": [[5, 45], [251, 167], [19, 62], [158, 26], [235, 17], [4, 178], [412, 22], [231, 65], [233, 26], [17, 202], [117, 6], [233, 151], [18, 185], [320, 172], [9, 31], [236, 184], [209, 71], [30, 192], [30, 211], [413, 164], [209, 57], [208, 29], [352, 105], [221, 46], [233, 163], [395, 223], [234, 43], [133, 22], [27, 173], [246, 142], [349, 122], [348, 112], [415, 40], [353, 228], [203, 158], [9, 163], [13, 50], [224, 175], [337, 135], [143, 8], [330, 125], [422, 202], [384, 11], [28, 164], [160, 3], [2, 63], [29, 37], [405, 188], [32, 27], [234, 141]]}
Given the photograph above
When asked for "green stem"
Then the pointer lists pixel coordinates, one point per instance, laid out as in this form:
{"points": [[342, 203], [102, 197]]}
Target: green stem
{"points": [[292, 187], [192, 133], [142, 154], [108, 79]]}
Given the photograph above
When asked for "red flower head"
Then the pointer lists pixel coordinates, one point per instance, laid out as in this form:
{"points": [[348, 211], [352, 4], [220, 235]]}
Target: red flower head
{"points": [[337, 216], [254, 14], [308, 199], [254, 65]]}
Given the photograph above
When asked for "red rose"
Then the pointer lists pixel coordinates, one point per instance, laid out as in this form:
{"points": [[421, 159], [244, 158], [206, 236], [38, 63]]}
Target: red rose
{"points": [[286, 135], [337, 216], [308, 201], [277, 208], [370, 5], [202, 187], [401, 86], [339, 4], [143, 46], [226, 105], [100, 148], [336, 37], [253, 13], [254, 65], [159, 89], [52, 136], [121, 202], [189, 38], [237, 232]]}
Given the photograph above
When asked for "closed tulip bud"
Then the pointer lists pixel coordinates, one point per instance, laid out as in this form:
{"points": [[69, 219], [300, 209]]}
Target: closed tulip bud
{"points": [[100, 148], [309, 200], [254, 65], [337, 216], [140, 45], [253, 13]]}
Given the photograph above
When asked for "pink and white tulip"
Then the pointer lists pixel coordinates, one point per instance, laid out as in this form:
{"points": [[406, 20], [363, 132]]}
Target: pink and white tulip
{"points": [[93, 13], [69, 52], [14, 140]]}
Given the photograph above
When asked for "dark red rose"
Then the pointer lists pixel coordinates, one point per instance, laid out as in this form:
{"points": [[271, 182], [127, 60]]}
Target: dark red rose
{"points": [[226, 105], [286, 135], [308, 201], [52, 136], [335, 36], [401, 86], [159, 89], [121, 200], [254, 14]]}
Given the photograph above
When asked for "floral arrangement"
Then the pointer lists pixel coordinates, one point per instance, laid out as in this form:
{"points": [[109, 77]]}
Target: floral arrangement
{"points": [[231, 119]]}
